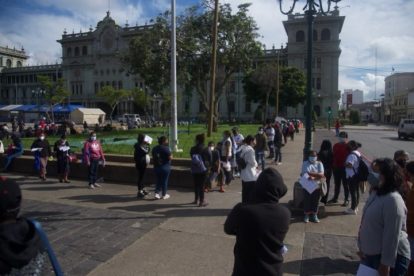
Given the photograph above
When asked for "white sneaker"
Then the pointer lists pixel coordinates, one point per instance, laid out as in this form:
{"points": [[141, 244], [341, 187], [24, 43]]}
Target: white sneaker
{"points": [[279, 163], [97, 185], [351, 211], [167, 196], [157, 196], [91, 186]]}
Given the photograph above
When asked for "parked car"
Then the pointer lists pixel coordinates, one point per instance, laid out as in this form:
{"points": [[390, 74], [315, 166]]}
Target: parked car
{"points": [[134, 118], [406, 128]]}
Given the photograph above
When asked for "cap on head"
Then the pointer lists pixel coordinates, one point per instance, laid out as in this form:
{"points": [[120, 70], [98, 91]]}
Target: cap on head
{"points": [[10, 199]]}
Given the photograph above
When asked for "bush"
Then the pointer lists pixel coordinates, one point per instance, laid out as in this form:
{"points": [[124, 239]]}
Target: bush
{"points": [[354, 117]]}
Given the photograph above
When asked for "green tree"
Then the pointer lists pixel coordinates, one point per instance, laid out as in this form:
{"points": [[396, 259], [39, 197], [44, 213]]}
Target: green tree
{"points": [[148, 54], [55, 93], [260, 85], [354, 117], [113, 97]]}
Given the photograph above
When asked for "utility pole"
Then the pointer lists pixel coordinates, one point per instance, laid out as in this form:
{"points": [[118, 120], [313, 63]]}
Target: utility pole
{"points": [[174, 131], [278, 85], [213, 70]]}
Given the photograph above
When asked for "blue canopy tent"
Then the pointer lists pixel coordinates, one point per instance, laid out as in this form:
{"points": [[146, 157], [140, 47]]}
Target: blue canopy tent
{"points": [[31, 113]]}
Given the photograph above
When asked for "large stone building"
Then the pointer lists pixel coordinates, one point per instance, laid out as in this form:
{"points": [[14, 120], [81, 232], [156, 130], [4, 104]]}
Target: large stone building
{"points": [[90, 60], [326, 52], [398, 97], [352, 97]]}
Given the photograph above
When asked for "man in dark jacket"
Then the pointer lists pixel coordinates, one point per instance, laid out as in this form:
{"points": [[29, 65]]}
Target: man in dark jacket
{"points": [[21, 250], [260, 228], [142, 159]]}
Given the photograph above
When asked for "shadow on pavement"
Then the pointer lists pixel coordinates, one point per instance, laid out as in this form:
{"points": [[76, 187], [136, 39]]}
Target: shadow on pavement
{"points": [[321, 266], [102, 199], [51, 188], [172, 211]]}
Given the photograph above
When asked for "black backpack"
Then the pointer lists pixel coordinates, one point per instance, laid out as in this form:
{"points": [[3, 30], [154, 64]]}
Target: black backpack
{"points": [[362, 172], [241, 163]]}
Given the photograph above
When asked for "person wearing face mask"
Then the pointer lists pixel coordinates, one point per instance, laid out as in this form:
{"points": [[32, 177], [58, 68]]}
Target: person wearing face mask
{"points": [[409, 202], [92, 155], [42, 151], [142, 159], [340, 153], [161, 156], [260, 147], [199, 169], [351, 170], [62, 152], [382, 239], [249, 173], [315, 171]]}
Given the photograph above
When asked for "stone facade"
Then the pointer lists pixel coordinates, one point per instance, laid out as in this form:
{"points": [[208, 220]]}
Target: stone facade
{"points": [[10, 58], [398, 99], [326, 52]]}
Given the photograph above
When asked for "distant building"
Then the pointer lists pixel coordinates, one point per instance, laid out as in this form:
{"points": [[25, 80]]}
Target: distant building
{"points": [[398, 97], [10, 58], [351, 97]]}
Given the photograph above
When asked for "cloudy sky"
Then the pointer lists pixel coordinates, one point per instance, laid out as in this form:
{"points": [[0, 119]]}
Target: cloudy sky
{"points": [[371, 26]]}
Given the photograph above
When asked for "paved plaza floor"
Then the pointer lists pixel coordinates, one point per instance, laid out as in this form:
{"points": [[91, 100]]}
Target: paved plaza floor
{"points": [[107, 231]]}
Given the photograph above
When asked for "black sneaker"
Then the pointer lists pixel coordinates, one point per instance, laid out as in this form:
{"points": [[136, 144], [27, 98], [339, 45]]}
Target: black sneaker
{"points": [[140, 195]]}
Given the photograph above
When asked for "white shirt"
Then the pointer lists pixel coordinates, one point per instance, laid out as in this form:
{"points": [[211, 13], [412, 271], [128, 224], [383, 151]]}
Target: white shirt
{"points": [[353, 160], [238, 139], [270, 133], [249, 173]]}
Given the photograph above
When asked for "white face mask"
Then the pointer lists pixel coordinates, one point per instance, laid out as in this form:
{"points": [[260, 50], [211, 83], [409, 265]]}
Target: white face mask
{"points": [[93, 138], [211, 148], [260, 132], [42, 138]]}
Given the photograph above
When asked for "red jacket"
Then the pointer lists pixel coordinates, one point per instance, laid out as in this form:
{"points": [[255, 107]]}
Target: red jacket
{"points": [[340, 153], [92, 150]]}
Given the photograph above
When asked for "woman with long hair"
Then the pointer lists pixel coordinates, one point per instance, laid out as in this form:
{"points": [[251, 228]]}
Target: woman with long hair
{"points": [[382, 240], [325, 155]]}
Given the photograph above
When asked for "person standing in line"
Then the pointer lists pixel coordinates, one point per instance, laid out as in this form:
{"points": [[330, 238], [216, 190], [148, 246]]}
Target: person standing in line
{"points": [[409, 202], [340, 153], [401, 157], [285, 131], [142, 159], [249, 173], [337, 127], [382, 237], [93, 155], [260, 228], [227, 156], [325, 155], [15, 149], [315, 171], [62, 152], [238, 139], [199, 165], [278, 144], [270, 136], [260, 147], [220, 170], [351, 170], [41, 154], [291, 130], [21, 249], [161, 156]]}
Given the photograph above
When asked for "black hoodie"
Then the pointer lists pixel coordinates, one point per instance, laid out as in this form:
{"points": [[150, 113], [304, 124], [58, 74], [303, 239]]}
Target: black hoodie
{"points": [[20, 247], [260, 228]]}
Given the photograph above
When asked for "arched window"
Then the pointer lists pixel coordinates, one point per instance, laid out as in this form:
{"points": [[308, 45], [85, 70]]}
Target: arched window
{"points": [[69, 52], [315, 35], [76, 51], [84, 51], [300, 36], [326, 34], [19, 63], [8, 63]]}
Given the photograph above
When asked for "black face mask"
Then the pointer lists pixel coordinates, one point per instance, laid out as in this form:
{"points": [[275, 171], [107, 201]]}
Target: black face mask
{"points": [[401, 162]]}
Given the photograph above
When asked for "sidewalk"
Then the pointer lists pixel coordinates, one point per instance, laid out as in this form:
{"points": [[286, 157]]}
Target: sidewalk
{"points": [[108, 232]]}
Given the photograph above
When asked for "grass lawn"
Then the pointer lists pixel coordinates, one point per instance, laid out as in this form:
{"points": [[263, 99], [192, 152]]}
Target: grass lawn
{"points": [[126, 139]]}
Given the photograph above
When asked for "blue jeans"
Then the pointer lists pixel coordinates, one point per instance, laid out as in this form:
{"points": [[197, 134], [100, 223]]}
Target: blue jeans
{"points": [[260, 159], [9, 159], [162, 173], [400, 268], [93, 171]]}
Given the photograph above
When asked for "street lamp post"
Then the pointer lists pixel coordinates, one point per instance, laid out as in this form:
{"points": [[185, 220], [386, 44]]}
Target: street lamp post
{"points": [[312, 7]]}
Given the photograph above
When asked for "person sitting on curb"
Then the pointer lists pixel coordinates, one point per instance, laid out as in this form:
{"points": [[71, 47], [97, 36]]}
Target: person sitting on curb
{"points": [[260, 228], [21, 249]]}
